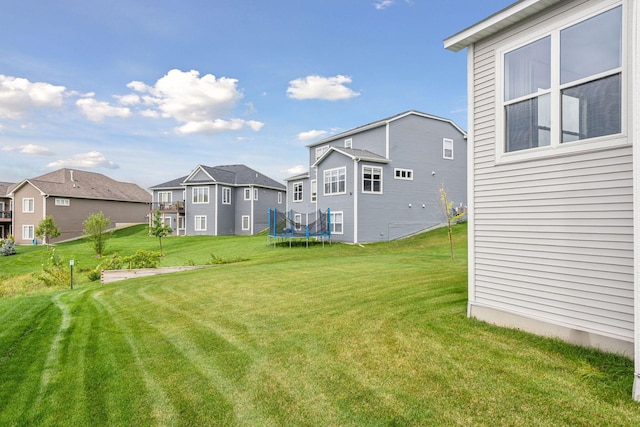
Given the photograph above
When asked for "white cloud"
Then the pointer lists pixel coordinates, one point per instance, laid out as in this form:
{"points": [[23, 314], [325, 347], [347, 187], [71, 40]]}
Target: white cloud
{"points": [[213, 126], [92, 159], [18, 96], [97, 111], [318, 87], [131, 99], [295, 170], [383, 4], [29, 149], [311, 134]]}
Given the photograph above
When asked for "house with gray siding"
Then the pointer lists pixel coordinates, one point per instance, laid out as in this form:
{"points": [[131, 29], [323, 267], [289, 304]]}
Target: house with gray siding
{"points": [[553, 163], [70, 196], [6, 210], [218, 201], [382, 181]]}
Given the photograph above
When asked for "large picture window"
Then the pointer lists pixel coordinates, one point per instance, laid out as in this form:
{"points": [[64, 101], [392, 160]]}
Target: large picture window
{"points": [[566, 86], [335, 181], [200, 194]]}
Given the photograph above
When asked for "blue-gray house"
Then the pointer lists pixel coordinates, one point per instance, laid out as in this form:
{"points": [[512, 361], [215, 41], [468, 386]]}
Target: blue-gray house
{"points": [[219, 200], [382, 181]]}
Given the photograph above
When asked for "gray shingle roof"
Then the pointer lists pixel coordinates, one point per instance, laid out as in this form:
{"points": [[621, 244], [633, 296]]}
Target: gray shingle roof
{"points": [[174, 183], [88, 185], [240, 175]]}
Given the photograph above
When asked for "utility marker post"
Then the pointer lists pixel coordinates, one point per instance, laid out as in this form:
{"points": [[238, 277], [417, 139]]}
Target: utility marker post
{"points": [[71, 262]]}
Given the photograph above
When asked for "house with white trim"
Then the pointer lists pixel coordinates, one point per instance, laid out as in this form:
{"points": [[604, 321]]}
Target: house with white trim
{"points": [[554, 170], [382, 181], [218, 201]]}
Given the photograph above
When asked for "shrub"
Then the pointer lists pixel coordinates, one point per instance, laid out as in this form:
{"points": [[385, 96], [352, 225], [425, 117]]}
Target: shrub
{"points": [[114, 262], [94, 274], [144, 259], [55, 272], [7, 247]]}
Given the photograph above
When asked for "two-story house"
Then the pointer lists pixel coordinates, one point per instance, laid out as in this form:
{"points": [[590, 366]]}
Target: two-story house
{"points": [[554, 231], [6, 209], [382, 181], [70, 196], [219, 200]]}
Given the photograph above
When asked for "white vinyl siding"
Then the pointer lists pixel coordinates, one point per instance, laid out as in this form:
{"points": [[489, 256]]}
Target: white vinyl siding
{"points": [[553, 237]]}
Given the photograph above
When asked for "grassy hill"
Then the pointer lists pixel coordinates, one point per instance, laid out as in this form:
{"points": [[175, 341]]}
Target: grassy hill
{"points": [[335, 335]]}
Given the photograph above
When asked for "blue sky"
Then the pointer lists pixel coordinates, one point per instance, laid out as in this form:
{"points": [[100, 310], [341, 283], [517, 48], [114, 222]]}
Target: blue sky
{"points": [[144, 91]]}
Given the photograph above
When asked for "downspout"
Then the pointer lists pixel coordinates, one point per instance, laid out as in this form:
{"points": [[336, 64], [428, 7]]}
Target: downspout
{"points": [[387, 140], [355, 201], [217, 212], [471, 253], [635, 134], [253, 199]]}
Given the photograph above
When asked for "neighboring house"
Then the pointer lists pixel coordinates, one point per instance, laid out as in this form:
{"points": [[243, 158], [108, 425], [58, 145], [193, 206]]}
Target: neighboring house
{"points": [[220, 200], [382, 181], [70, 196], [554, 243], [6, 208]]}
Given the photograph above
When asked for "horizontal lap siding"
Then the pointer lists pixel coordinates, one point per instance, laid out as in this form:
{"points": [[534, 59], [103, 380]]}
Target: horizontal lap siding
{"points": [[554, 236]]}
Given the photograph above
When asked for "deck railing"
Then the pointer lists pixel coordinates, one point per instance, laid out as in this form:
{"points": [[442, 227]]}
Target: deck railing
{"points": [[168, 206], [5, 215]]}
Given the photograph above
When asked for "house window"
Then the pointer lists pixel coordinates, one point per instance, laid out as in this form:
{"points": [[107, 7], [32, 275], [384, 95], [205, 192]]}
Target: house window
{"points": [[371, 179], [348, 143], [180, 223], [321, 150], [403, 173], [226, 196], [246, 222], [297, 221], [297, 191], [571, 77], [247, 194], [200, 223], [28, 205], [279, 198], [314, 190], [27, 232], [447, 148], [255, 194], [336, 220], [62, 202], [200, 194], [335, 181], [164, 197]]}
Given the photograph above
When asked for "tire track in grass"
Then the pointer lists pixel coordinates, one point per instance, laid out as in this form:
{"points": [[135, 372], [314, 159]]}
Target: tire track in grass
{"points": [[162, 410]]}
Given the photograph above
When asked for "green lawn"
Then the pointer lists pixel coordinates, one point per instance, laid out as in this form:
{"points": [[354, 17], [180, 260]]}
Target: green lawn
{"points": [[338, 335]]}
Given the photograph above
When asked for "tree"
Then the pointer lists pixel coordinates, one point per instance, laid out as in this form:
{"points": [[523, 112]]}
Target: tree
{"points": [[159, 229], [47, 230], [95, 230], [451, 217]]}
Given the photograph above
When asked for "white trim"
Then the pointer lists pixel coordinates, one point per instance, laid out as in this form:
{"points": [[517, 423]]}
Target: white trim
{"points": [[348, 143], [32, 234], [471, 227], [62, 202], [372, 180], [226, 190], [248, 218], [408, 174], [30, 209], [445, 142], [337, 192], [355, 203], [247, 194], [634, 131], [193, 195], [333, 222], [196, 223], [293, 193]]}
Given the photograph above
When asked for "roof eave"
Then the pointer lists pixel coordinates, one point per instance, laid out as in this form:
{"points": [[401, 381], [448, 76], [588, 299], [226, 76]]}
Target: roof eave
{"points": [[496, 22]]}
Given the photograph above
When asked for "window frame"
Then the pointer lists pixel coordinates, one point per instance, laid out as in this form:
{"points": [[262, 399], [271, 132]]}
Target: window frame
{"points": [[297, 195], [161, 196], [247, 193], [199, 220], [333, 222], [321, 150], [30, 204], [398, 172], [445, 142], [338, 181], [196, 192], [30, 235], [62, 202], [226, 195], [279, 197], [247, 219], [557, 147], [314, 190], [372, 179]]}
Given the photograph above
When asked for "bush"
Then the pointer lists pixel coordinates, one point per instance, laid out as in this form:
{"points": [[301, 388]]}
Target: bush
{"points": [[114, 262], [7, 247], [94, 274], [55, 272], [144, 259]]}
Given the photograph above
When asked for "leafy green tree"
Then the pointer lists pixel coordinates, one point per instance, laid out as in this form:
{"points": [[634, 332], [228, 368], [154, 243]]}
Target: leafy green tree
{"points": [[159, 229], [451, 216], [95, 230], [47, 230]]}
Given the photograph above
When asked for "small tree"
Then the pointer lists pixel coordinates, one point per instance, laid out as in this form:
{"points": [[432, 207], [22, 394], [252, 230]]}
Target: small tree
{"points": [[47, 230], [159, 229], [451, 217], [95, 230]]}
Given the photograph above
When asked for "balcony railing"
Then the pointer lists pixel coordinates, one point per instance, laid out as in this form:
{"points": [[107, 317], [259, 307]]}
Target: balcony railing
{"points": [[5, 214], [168, 206]]}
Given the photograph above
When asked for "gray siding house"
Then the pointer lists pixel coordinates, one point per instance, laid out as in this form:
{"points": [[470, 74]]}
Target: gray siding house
{"points": [[554, 161], [382, 181], [219, 200], [6, 210]]}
